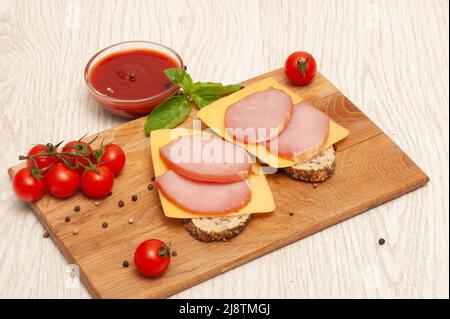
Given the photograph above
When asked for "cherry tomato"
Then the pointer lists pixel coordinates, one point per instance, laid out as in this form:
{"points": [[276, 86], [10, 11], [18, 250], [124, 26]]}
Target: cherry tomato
{"points": [[27, 186], [42, 161], [152, 257], [300, 68], [62, 182], [114, 158], [97, 184], [78, 147]]}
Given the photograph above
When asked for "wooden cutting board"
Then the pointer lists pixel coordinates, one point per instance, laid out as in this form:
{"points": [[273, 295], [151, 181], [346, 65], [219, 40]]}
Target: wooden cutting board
{"points": [[371, 169]]}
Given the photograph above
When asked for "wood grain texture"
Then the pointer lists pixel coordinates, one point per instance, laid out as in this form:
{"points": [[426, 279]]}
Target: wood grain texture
{"points": [[376, 52], [372, 170]]}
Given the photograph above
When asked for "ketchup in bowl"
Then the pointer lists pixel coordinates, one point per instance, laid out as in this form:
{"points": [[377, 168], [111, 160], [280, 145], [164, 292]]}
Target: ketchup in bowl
{"points": [[128, 78]]}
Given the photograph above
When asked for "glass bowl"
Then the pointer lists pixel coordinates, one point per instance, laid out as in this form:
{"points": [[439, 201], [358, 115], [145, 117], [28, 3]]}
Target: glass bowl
{"points": [[130, 108]]}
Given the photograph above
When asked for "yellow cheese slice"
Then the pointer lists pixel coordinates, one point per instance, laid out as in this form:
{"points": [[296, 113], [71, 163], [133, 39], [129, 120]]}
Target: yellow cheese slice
{"points": [[213, 115], [261, 198]]}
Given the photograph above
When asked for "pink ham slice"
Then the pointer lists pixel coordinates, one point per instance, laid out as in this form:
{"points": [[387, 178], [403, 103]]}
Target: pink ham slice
{"points": [[203, 197], [259, 117], [207, 158], [304, 136]]}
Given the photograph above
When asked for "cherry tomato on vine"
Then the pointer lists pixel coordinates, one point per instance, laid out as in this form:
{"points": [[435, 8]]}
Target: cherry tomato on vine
{"points": [[97, 183], [27, 186], [300, 68], [42, 161], [78, 147], [152, 257], [62, 182], [113, 157]]}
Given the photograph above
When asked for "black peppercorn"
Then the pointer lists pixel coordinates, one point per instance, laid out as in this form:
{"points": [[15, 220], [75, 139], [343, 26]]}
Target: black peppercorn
{"points": [[131, 76], [67, 219], [381, 241], [121, 203], [77, 208], [125, 263], [105, 225], [134, 198]]}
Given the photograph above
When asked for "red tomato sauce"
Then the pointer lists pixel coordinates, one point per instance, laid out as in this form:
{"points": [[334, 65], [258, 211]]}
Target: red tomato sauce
{"points": [[132, 74]]}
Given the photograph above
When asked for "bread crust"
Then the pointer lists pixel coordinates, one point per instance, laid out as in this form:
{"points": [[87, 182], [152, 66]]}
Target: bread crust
{"points": [[320, 168], [216, 228]]}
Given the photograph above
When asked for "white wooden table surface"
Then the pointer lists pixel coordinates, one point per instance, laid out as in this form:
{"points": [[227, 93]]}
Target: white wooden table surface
{"points": [[389, 57]]}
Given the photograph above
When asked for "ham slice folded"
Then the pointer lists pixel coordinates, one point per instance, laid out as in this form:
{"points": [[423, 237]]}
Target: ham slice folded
{"points": [[203, 197], [259, 117], [304, 136], [206, 158]]}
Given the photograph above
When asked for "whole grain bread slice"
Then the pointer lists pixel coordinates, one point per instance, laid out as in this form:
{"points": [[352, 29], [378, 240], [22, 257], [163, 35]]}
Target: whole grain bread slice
{"points": [[216, 228], [318, 169]]}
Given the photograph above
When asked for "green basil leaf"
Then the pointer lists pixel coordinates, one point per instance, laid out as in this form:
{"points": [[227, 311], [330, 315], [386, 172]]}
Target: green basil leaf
{"points": [[228, 89], [203, 100], [214, 88], [205, 86], [204, 93], [181, 78], [168, 114]]}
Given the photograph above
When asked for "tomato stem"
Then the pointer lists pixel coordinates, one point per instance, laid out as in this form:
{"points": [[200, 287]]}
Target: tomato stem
{"points": [[164, 251], [70, 159], [91, 166], [302, 65], [98, 154]]}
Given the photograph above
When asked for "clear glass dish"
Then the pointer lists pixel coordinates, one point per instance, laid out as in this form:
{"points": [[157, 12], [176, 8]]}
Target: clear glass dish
{"points": [[130, 108]]}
